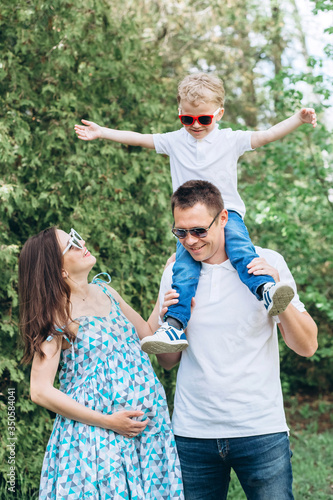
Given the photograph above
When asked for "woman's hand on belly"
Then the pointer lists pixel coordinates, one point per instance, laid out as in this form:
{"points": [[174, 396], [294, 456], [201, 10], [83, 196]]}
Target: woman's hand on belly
{"points": [[123, 422]]}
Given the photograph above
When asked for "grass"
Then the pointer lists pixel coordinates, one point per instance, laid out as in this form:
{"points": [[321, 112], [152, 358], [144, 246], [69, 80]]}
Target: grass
{"points": [[22, 490], [311, 438], [310, 420], [311, 423], [312, 468]]}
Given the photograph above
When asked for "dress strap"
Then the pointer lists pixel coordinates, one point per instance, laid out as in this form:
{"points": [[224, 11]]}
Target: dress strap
{"points": [[50, 337], [101, 283], [96, 278]]}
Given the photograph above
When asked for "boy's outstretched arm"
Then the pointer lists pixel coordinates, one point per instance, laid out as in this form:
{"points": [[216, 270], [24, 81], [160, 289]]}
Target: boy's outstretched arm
{"points": [[305, 115], [90, 131]]}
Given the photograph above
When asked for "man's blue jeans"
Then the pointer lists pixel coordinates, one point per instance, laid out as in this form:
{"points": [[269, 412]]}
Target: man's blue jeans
{"points": [[262, 464], [186, 270]]}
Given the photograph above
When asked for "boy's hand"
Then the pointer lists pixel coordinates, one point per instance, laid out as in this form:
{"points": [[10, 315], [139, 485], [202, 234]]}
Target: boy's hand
{"points": [[259, 266], [308, 115], [90, 132]]}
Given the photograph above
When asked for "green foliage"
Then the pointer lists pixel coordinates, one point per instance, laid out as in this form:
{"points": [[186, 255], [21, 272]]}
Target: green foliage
{"points": [[119, 65], [61, 63], [323, 5], [288, 185]]}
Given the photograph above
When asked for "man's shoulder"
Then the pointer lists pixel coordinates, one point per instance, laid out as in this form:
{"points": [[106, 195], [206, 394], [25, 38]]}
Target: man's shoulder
{"points": [[166, 279], [272, 256], [167, 273]]}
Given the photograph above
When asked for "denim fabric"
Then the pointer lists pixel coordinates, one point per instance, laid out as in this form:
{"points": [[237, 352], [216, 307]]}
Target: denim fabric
{"points": [[186, 272], [262, 464], [241, 252]]}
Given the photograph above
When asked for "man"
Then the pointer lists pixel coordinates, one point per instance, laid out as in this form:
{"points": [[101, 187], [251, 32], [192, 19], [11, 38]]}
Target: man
{"points": [[228, 409]]}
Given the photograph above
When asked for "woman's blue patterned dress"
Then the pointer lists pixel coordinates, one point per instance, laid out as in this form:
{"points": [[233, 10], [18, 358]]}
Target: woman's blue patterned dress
{"points": [[106, 370]]}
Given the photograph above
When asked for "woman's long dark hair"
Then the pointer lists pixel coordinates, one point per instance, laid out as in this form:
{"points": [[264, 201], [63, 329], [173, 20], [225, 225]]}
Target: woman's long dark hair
{"points": [[44, 295]]}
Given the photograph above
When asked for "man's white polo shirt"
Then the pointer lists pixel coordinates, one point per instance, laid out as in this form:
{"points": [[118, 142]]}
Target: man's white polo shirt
{"points": [[228, 382], [212, 159]]}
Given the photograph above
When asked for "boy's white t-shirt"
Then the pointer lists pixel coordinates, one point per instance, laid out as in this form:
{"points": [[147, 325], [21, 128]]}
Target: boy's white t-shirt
{"points": [[228, 382], [212, 159]]}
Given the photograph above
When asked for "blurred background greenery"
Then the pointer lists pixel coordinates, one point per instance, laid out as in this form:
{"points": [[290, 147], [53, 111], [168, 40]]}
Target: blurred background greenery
{"points": [[119, 64]]}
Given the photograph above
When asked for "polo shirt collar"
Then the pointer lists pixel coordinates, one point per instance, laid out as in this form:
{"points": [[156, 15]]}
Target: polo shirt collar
{"points": [[207, 268], [209, 138]]}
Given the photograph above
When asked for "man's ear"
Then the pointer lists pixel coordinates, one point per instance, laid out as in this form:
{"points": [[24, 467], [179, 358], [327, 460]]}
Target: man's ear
{"points": [[224, 217]]}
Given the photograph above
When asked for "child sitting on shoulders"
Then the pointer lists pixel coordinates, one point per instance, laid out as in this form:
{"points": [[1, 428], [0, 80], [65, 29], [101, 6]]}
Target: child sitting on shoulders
{"points": [[202, 151]]}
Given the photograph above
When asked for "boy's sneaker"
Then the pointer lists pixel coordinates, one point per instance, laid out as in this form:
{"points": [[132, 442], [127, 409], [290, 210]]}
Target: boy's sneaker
{"points": [[276, 297], [166, 339]]}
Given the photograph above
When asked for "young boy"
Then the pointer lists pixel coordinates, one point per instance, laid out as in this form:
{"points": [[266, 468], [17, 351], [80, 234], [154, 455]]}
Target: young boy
{"points": [[200, 150]]}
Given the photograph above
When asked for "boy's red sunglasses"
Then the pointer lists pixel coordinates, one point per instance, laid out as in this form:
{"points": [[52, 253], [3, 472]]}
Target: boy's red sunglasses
{"points": [[204, 120]]}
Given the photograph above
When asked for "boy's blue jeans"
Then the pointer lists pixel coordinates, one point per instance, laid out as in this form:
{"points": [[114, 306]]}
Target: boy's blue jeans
{"points": [[186, 270], [262, 464]]}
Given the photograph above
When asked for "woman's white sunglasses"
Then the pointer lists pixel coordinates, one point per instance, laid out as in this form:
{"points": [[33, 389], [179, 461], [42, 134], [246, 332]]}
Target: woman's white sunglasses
{"points": [[74, 240]]}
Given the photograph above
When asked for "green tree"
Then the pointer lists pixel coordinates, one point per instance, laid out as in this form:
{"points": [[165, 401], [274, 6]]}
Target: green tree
{"points": [[119, 65], [61, 63]]}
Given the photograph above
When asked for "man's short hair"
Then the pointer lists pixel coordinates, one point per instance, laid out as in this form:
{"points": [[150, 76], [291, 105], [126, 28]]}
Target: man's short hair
{"points": [[201, 87], [192, 192]]}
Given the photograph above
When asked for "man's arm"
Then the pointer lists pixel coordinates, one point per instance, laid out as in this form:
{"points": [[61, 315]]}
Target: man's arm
{"points": [[168, 361], [90, 131], [298, 329], [305, 115]]}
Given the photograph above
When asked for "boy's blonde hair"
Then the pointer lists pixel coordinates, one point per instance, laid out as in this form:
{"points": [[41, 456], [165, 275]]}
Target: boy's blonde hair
{"points": [[201, 87]]}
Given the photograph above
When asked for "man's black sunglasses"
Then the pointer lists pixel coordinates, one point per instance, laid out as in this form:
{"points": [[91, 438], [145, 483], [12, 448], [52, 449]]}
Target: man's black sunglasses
{"points": [[198, 232]]}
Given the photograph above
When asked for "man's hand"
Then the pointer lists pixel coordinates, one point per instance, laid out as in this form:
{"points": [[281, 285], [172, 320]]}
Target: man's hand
{"points": [[170, 298], [89, 132], [259, 266], [308, 115]]}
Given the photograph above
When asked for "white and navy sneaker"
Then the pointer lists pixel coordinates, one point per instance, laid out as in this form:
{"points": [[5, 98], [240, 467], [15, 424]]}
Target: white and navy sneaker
{"points": [[276, 297], [166, 339]]}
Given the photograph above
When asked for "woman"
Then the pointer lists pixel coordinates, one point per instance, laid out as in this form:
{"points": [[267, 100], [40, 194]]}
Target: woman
{"points": [[112, 436]]}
